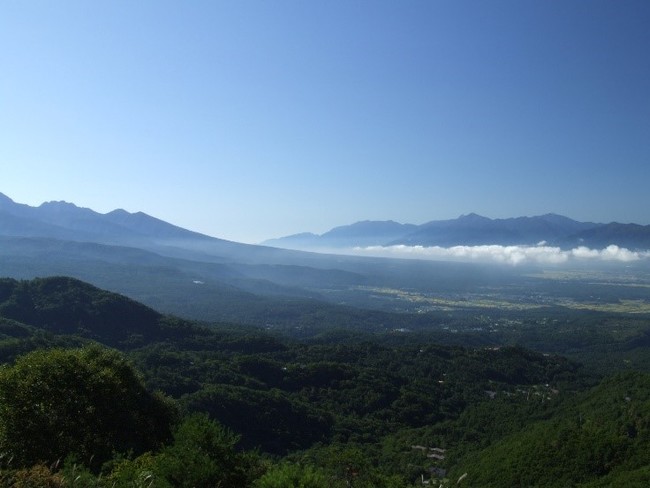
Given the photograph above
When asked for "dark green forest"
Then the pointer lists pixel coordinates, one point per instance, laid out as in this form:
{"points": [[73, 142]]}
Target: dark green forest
{"points": [[97, 390]]}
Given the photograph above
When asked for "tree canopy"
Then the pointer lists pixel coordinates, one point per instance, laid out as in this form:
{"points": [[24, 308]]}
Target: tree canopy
{"points": [[86, 402]]}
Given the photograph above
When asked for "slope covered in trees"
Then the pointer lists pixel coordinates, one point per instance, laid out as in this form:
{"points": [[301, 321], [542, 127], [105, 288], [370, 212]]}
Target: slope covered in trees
{"points": [[600, 438], [256, 409]]}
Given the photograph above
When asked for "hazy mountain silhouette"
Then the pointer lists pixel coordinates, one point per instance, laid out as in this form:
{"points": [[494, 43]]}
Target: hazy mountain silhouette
{"points": [[631, 236], [365, 233], [65, 221], [474, 230]]}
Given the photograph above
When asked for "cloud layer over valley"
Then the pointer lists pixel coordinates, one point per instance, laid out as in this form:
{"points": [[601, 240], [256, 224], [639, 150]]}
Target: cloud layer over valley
{"points": [[513, 255]]}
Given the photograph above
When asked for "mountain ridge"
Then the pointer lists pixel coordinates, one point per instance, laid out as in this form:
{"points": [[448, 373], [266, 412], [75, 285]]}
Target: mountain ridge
{"points": [[475, 230], [67, 221], [80, 223]]}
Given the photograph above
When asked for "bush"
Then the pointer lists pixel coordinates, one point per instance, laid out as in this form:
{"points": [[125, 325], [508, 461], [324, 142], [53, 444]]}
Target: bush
{"points": [[203, 455], [87, 402], [295, 476]]}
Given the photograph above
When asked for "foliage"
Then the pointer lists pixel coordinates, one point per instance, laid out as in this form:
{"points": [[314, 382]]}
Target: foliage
{"points": [[333, 405], [350, 466], [287, 475], [268, 419], [66, 306], [203, 454], [36, 476], [605, 433], [88, 402], [136, 473]]}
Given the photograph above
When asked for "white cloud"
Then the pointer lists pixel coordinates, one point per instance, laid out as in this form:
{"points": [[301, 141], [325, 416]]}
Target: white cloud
{"points": [[514, 255]]}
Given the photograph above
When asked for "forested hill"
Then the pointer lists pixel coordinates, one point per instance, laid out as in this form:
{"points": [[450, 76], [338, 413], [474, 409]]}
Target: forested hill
{"points": [[66, 308], [601, 439], [63, 305], [351, 409]]}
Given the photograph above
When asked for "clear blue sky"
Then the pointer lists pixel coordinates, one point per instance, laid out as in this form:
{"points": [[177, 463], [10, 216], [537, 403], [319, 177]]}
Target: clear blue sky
{"points": [[254, 119]]}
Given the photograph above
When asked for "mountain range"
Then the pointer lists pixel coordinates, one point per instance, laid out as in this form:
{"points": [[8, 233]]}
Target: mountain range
{"points": [[169, 268], [66, 221], [196, 276], [475, 230]]}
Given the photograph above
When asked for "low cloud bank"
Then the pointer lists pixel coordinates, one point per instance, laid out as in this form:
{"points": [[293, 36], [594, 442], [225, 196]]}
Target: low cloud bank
{"points": [[514, 255]]}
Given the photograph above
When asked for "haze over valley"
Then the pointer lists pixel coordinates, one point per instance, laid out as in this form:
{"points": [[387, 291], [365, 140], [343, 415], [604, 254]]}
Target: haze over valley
{"points": [[183, 272]]}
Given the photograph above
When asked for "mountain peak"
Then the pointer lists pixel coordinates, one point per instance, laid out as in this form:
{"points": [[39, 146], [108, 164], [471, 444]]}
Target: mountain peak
{"points": [[553, 217], [5, 201], [64, 210], [58, 205], [118, 211], [473, 217]]}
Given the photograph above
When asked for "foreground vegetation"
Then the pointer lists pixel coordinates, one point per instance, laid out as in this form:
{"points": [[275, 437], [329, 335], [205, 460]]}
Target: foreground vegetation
{"points": [[98, 390]]}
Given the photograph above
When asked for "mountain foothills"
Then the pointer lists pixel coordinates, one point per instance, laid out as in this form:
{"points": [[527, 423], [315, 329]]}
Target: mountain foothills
{"points": [[239, 406], [475, 230], [236, 365]]}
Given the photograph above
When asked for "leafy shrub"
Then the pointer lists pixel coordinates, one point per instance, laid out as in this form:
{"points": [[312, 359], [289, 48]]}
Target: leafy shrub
{"points": [[87, 402]]}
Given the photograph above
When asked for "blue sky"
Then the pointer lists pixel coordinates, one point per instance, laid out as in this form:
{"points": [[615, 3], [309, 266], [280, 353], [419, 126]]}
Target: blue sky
{"points": [[255, 119]]}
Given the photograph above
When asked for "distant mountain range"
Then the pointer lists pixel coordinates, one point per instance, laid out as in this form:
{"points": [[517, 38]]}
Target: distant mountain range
{"points": [[169, 268], [178, 271], [65, 221], [475, 230]]}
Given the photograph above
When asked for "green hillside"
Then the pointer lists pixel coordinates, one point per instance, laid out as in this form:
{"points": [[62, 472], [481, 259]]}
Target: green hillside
{"points": [[346, 408], [600, 438]]}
